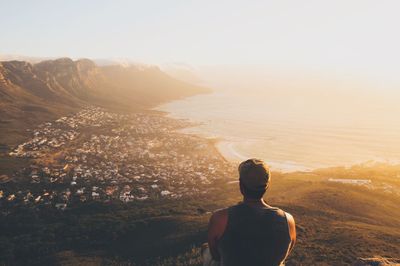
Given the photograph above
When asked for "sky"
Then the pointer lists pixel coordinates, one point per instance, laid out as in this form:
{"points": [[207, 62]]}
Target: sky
{"points": [[351, 37]]}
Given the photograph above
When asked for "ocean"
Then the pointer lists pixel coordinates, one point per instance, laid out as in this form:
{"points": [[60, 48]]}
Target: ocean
{"points": [[291, 134]]}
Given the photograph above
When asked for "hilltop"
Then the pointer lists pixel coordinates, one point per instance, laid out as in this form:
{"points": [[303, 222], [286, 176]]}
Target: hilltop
{"points": [[96, 185], [34, 93]]}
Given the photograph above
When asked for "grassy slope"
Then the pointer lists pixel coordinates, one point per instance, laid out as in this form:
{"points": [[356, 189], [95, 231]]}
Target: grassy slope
{"points": [[336, 223]]}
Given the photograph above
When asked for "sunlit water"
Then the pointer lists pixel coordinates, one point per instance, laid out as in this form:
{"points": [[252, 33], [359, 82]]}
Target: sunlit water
{"points": [[288, 135]]}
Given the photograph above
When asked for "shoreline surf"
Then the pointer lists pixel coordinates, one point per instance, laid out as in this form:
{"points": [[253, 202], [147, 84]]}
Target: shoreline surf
{"points": [[227, 150]]}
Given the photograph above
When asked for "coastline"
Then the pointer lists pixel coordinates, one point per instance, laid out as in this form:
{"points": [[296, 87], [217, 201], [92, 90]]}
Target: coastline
{"points": [[226, 148]]}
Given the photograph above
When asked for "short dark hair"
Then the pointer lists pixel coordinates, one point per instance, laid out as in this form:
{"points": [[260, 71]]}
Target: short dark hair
{"points": [[252, 194]]}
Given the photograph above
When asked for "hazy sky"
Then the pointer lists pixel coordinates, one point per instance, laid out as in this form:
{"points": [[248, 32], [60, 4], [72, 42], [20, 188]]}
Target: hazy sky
{"points": [[359, 36]]}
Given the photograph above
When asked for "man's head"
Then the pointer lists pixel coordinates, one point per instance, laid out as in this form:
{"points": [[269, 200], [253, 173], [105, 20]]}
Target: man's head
{"points": [[254, 178]]}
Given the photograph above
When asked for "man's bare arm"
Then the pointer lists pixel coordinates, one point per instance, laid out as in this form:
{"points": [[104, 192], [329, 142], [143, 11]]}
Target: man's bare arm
{"points": [[292, 230], [283, 250], [216, 228]]}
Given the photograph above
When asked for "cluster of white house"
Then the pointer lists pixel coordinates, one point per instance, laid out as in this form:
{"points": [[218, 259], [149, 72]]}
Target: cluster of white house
{"points": [[99, 155], [388, 188]]}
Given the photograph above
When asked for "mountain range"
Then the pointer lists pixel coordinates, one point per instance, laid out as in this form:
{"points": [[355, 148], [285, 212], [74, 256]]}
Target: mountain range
{"points": [[33, 93]]}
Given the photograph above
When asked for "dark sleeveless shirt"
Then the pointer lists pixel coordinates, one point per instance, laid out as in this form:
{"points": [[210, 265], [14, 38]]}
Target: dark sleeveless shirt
{"points": [[254, 236]]}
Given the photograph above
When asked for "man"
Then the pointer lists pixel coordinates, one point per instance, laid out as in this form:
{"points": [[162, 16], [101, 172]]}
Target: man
{"points": [[251, 232]]}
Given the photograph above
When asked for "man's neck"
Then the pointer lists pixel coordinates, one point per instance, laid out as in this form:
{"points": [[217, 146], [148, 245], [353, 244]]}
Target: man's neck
{"points": [[254, 202]]}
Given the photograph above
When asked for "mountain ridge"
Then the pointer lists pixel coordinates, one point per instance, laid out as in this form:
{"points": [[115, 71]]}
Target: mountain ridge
{"points": [[33, 93]]}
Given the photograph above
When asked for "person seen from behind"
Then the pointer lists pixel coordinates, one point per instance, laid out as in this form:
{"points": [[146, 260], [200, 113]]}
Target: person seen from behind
{"points": [[251, 232]]}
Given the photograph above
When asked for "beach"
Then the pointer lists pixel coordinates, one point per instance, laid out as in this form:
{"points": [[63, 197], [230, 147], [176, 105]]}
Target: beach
{"points": [[228, 151]]}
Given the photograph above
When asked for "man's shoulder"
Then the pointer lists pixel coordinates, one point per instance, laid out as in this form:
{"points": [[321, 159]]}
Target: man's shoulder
{"points": [[220, 213], [283, 216], [276, 211], [287, 216], [223, 212]]}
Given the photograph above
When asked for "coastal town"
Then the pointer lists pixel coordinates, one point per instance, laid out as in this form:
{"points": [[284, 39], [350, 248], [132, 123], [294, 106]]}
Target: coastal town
{"points": [[103, 156], [98, 155]]}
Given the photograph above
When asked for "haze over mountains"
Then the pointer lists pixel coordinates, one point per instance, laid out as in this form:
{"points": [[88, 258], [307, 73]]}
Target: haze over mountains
{"points": [[32, 93]]}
